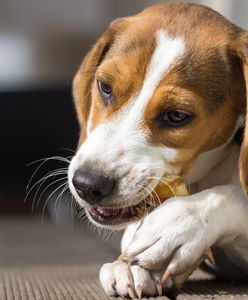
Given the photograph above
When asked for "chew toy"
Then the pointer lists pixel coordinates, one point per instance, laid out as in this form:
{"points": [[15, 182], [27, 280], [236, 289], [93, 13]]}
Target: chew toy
{"points": [[169, 186]]}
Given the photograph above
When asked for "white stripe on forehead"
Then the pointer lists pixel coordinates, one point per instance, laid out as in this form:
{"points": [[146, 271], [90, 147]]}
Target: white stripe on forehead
{"points": [[166, 52]]}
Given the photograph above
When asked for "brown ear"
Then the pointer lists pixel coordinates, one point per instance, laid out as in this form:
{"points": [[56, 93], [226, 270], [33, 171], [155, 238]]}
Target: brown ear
{"points": [[240, 49], [83, 79]]}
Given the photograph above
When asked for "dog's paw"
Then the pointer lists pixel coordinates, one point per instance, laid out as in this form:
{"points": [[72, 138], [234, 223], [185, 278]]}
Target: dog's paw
{"points": [[174, 237], [120, 279]]}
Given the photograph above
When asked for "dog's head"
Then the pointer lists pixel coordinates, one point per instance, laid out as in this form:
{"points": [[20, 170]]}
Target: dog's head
{"points": [[157, 90]]}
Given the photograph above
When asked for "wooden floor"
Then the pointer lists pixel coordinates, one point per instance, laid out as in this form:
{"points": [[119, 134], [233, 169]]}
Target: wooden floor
{"points": [[53, 262]]}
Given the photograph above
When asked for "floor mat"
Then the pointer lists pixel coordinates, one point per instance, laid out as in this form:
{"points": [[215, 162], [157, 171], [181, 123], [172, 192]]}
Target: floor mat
{"points": [[81, 283], [48, 262]]}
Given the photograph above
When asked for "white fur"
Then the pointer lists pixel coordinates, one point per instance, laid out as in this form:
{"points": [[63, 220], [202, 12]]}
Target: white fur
{"points": [[208, 160], [190, 225], [117, 277], [181, 229], [167, 51], [195, 223], [169, 154], [205, 162], [123, 134], [186, 228]]}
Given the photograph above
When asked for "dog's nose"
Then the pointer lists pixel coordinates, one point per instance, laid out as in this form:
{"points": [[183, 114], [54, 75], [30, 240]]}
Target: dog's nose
{"points": [[92, 187]]}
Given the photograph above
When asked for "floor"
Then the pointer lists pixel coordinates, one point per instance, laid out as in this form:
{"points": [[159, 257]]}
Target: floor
{"points": [[44, 261]]}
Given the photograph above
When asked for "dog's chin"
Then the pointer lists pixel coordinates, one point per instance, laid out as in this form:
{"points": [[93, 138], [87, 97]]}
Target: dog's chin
{"points": [[112, 218]]}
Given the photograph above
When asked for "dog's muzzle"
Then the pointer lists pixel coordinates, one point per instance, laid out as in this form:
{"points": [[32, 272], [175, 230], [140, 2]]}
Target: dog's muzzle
{"points": [[93, 187]]}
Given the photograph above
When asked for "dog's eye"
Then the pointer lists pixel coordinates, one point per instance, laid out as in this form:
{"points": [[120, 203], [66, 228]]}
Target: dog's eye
{"points": [[105, 91], [174, 118]]}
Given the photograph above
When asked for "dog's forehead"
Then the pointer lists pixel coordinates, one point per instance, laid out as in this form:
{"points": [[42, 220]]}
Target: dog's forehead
{"points": [[185, 47], [205, 35], [197, 24], [165, 53]]}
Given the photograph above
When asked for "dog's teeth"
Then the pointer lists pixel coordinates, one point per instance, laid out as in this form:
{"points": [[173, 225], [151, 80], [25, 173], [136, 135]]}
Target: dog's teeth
{"points": [[107, 212]]}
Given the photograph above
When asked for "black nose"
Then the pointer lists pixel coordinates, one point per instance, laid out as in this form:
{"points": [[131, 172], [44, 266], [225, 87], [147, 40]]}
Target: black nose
{"points": [[92, 187]]}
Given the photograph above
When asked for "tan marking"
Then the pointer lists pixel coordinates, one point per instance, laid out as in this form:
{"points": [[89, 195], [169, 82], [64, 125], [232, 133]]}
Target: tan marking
{"points": [[213, 88]]}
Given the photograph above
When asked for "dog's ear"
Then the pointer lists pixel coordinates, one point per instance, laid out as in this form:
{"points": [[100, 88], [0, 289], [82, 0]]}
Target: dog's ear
{"points": [[83, 79], [240, 49]]}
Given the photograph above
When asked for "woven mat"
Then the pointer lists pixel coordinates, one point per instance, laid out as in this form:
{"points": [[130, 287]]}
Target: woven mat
{"points": [[81, 283], [49, 262]]}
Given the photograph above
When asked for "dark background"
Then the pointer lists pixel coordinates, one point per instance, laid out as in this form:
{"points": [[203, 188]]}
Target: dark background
{"points": [[35, 124], [41, 46]]}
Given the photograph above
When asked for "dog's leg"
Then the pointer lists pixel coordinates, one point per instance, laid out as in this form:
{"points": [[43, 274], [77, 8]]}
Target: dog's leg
{"points": [[128, 235], [176, 234]]}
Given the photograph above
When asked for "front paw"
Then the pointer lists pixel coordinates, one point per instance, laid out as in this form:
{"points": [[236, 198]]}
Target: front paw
{"points": [[121, 279], [174, 238]]}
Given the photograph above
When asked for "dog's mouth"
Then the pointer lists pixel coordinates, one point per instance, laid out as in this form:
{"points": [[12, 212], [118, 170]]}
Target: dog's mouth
{"points": [[114, 216], [123, 215]]}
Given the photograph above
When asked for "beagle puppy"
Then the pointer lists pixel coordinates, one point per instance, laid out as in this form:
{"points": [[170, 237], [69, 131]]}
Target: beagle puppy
{"points": [[165, 92]]}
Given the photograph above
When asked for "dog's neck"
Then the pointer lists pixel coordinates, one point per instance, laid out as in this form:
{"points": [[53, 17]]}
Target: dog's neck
{"points": [[215, 167]]}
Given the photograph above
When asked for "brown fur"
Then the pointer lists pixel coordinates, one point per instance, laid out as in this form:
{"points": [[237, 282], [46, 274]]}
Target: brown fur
{"points": [[239, 48], [83, 80], [207, 81]]}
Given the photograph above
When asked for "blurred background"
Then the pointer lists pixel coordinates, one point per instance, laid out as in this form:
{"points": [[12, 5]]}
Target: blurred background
{"points": [[41, 46], [42, 43]]}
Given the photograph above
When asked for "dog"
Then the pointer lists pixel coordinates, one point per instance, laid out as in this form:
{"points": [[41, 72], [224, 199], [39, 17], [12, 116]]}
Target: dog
{"points": [[165, 92]]}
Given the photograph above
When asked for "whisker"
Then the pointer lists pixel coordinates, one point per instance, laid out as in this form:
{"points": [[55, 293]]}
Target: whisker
{"points": [[40, 183], [43, 161], [61, 171], [166, 183], [58, 199], [81, 213], [45, 204], [154, 192], [72, 213], [149, 193], [47, 187], [69, 149], [54, 181]]}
